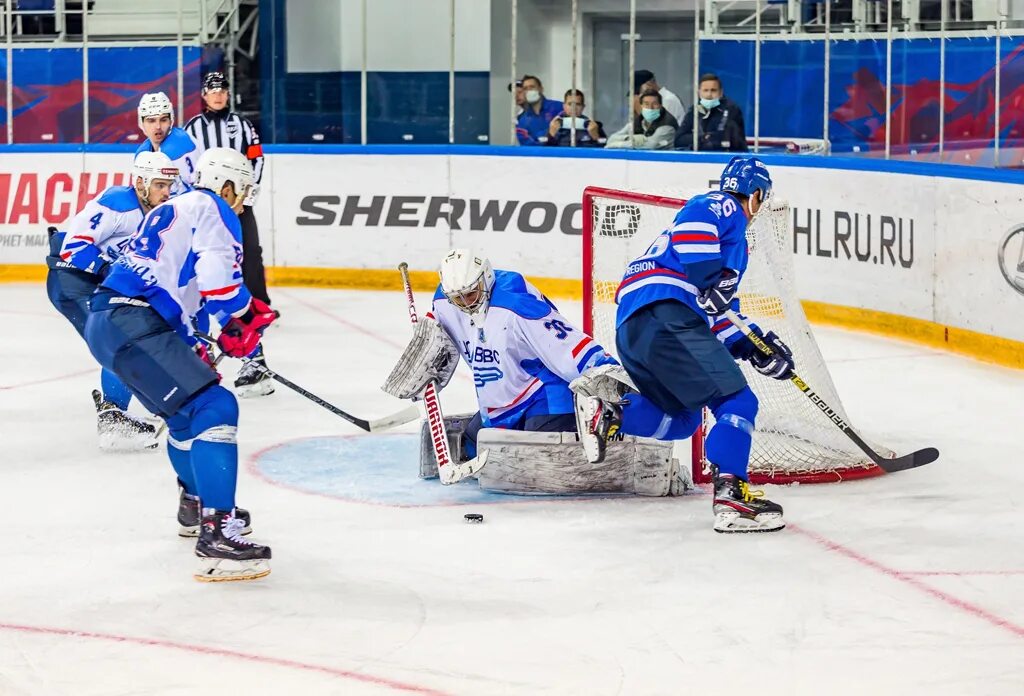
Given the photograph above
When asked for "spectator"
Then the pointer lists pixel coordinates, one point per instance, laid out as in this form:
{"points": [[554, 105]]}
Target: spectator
{"points": [[588, 132], [520, 98], [644, 81], [654, 128], [721, 121], [532, 125]]}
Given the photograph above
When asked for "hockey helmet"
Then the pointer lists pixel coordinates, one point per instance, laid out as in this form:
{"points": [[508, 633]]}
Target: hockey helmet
{"points": [[219, 165], [152, 165], [744, 175], [155, 104], [467, 281]]}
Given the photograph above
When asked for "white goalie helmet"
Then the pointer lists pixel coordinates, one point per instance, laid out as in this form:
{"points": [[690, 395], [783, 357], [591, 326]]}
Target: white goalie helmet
{"points": [[219, 165], [467, 281], [155, 104], [153, 165]]}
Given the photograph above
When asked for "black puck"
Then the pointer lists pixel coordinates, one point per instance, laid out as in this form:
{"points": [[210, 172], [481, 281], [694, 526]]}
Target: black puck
{"points": [[474, 517]]}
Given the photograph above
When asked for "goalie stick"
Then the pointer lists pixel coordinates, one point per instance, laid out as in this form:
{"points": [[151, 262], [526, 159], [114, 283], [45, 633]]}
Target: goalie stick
{"points": [[375, 425], [908, 461], [447, 470]]}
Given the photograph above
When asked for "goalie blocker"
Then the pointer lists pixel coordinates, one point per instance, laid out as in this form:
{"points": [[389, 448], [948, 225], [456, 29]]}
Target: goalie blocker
{"points": [[552, 463]]}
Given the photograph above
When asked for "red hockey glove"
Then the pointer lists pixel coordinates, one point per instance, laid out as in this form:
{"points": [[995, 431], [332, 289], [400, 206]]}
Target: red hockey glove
{"points": [[242, 334], [204, 354]]}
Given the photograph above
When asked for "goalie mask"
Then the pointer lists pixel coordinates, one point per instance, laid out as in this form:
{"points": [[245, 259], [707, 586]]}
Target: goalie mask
{"points": [[467, 282]]}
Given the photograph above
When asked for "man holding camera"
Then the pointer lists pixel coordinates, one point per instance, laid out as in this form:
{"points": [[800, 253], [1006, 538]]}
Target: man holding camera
{"points": [[588, 132]]}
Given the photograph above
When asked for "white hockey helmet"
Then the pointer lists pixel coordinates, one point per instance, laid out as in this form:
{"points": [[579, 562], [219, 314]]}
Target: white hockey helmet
{"points": [[467, 281], [152, 165], [219, 165], [155, 104]]}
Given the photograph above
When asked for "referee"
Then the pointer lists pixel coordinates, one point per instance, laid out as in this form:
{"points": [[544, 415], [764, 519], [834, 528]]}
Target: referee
{"points": [[218, 126]]}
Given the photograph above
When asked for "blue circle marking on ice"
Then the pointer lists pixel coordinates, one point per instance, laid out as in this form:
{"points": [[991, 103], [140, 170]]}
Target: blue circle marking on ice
{"points": [[368, 468]]}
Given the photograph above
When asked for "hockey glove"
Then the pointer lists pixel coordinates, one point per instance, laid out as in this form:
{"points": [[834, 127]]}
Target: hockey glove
{"points": [[718, 298], [431, 356], [204, 354], [778, 365], [241, 335]]}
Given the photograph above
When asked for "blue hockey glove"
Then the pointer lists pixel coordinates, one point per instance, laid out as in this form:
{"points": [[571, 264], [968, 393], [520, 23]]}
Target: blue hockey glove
{"points": [[778, 365], [718, 298]]}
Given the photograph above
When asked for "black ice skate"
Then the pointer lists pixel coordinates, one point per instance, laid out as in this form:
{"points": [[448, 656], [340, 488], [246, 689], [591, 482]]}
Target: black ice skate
{"points": [[739, 509], [252, 381], [118, 430], [224, 555], [189, 515], [597, 421]]}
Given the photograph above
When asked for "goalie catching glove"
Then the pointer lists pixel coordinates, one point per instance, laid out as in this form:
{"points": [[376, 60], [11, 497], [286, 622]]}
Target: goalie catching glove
{"points": [[431, 356], [606, 382]]}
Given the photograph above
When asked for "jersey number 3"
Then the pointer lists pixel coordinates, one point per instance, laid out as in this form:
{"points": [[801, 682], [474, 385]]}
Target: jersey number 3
{"points": [[150, 238]]}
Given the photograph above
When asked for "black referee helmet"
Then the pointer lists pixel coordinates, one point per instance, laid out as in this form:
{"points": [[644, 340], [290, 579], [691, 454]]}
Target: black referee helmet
{"points": [[214, 81]]}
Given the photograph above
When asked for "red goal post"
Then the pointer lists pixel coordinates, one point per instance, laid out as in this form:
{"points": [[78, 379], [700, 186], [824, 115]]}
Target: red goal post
{"points": [[793, 442]]}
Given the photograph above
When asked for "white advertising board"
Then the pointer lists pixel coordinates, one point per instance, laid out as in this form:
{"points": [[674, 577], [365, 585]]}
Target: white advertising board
{"points": [[934, 248]]}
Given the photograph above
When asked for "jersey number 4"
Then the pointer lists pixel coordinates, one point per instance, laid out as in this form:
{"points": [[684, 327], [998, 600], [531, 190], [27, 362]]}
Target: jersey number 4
{"points": [[150, 238]]}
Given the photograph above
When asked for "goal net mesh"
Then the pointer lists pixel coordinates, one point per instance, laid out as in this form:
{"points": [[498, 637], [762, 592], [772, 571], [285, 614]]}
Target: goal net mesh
{"points": [[793, 440]]}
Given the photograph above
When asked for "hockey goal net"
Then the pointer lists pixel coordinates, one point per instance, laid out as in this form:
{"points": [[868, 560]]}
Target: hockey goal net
{"points": [[793, 440]]}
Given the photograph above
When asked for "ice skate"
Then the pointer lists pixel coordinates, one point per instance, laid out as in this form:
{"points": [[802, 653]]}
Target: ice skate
{"points": [[119, 431], [597, 421], [739, 509], [251, 381], [189, 515], [224, 555]]}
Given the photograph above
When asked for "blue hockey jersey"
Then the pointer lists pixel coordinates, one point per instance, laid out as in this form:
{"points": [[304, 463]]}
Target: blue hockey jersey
{"points": [[524, 355], [99, 232], [707, 236]]}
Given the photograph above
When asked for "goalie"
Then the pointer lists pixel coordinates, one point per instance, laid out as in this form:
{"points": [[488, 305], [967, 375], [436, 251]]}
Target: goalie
{"points": [[523, 354]]}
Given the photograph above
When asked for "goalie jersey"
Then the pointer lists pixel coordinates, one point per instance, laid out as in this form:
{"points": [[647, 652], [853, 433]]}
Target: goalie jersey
{"points": [[524, 356], [187, 253], [708, 235], [178, 146], [99, 233]]}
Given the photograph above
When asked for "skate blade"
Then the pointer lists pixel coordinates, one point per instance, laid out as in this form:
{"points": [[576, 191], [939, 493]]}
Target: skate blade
{"points": [[192, 532], [228, 570], [251, 391], [735, 523]]}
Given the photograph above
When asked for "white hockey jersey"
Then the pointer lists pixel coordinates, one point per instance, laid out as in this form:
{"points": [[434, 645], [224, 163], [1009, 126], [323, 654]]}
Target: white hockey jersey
{"points": [[524, 356], [100, 231], [187, 251], [178, 146]]}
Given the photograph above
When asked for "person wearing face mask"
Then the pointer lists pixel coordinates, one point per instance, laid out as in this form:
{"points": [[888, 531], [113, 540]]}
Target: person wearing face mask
{"points": [[538, 112], [720, 124], [653, 128]]}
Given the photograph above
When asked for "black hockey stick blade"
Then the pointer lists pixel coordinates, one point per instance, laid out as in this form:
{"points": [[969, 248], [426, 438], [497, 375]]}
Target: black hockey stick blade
{"points": [[909, 461]]}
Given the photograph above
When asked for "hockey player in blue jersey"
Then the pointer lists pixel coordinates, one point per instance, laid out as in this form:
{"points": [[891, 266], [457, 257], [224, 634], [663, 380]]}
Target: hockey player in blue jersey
{"points": [[156, 120], [189, 251], [80, 257], [680, 352]]}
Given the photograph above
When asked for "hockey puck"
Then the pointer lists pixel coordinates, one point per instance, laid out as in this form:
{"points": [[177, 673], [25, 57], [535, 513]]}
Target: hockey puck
{"points": [[474, 517]]}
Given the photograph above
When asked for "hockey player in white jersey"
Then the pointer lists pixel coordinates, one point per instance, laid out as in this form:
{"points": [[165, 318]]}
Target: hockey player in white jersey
{"points": [[80, 257], [156, 121], [189, 250]]}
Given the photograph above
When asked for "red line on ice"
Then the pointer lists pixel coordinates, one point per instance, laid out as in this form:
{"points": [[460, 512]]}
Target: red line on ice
{"points": [[223, 652], [908, 579], [6, 387]]}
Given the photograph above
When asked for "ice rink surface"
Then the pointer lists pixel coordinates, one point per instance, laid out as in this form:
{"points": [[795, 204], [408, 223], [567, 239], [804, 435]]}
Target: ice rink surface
{"points": [[907, 584]]}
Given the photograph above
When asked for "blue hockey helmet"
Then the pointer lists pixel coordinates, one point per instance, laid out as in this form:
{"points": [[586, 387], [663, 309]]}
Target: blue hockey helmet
{"points": [[744, 175]]}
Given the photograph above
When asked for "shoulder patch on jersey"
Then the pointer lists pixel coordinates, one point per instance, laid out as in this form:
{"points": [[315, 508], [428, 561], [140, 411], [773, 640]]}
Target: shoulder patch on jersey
{"points": [[510, 292], [120, 198], [178, 144]]}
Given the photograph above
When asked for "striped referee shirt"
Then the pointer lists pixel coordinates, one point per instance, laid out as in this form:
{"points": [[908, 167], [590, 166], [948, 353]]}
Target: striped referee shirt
{"points": [[227, 129]]}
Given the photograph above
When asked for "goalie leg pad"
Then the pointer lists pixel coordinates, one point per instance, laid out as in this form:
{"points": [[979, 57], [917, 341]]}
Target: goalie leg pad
{"points": [[456, 427], [539, 463], [431, 356]]}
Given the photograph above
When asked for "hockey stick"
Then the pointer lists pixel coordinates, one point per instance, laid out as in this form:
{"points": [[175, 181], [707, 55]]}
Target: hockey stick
{"points": [[908, 461], [447, 470], [375, 425]]}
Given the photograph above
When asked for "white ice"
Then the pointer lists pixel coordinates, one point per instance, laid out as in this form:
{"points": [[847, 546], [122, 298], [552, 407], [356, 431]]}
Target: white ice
{"points": [[907, 584]]}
